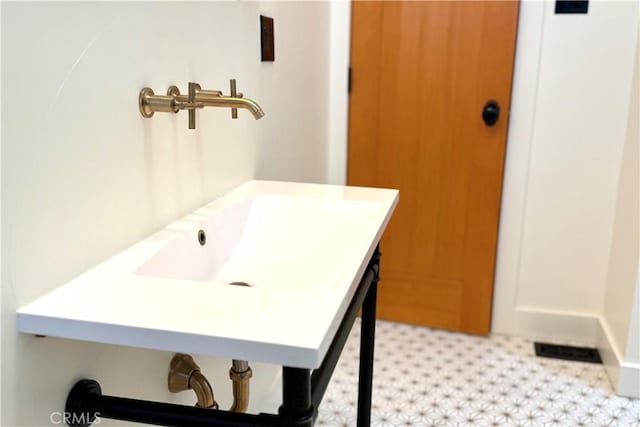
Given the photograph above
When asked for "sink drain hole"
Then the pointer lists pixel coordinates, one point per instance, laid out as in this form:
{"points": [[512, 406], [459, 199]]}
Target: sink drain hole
{"points": [[245, 284], [202, 237]]}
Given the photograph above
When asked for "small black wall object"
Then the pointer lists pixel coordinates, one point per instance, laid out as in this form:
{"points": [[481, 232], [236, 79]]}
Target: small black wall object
{"points": [[572, 6], [266, 39]]}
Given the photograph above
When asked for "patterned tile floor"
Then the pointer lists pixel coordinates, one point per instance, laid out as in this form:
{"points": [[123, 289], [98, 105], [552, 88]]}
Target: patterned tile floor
{"points": [[425, 377]]}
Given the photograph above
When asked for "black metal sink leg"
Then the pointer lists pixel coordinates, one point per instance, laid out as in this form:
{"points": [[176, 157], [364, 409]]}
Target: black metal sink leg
{"points": [[367, 343], [297, 409]]}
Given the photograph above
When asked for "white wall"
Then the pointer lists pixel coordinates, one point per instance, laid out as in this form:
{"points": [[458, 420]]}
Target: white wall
{"points": [[566, 137], [84, 175], [620, 319], [296, 89], [623, 259]]}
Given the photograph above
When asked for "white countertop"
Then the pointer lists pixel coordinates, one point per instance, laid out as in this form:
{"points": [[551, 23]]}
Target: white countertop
{"points": [[303, 247]]}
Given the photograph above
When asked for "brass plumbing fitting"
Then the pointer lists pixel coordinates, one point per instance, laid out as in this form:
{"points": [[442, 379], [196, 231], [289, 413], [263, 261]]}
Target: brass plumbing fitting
{"points": [[184, 374], [240, 374], [196, 98]]}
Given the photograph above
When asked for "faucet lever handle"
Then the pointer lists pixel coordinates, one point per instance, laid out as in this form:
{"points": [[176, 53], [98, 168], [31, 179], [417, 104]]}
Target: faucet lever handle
{"points": [[234, 94], [189, 105], [192, 102]]}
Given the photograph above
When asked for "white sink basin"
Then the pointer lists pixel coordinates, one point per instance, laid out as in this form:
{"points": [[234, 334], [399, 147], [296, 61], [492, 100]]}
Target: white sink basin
{"points": [[269, 241], [300, 248]]}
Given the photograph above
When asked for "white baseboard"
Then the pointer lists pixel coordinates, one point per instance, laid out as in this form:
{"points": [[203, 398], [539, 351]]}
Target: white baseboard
{"points": [[624, 376], [552, 325], [576, 328]]}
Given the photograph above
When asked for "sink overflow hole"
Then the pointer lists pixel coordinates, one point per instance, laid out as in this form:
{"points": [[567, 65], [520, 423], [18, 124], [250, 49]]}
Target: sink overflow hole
{"points": [[202, 237], [239, 284]]}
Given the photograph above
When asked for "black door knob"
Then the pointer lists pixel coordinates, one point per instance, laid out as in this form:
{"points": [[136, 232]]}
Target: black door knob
{"points": [[491, 112]]}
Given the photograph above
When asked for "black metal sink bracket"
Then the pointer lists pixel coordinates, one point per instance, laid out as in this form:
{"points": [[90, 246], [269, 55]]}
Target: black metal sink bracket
{"points": [[302, 390]]}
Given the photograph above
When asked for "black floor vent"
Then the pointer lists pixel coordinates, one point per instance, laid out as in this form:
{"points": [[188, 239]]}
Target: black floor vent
{"points": [[567, 352]]}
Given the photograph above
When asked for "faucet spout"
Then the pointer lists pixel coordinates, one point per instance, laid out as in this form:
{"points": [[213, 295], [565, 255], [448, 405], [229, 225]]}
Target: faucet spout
{"points": [[214, 98]]}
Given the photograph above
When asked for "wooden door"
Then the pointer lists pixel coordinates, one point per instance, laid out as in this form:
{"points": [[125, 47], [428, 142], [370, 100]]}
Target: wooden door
{"points": [[422, 71]]}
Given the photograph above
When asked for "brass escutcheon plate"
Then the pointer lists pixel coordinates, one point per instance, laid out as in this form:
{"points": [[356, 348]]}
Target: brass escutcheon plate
{"points": [[145, 110]]}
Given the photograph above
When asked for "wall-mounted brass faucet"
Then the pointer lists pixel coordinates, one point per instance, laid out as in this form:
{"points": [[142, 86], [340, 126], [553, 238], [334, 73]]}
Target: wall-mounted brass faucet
{"points": [[150, 103]]}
